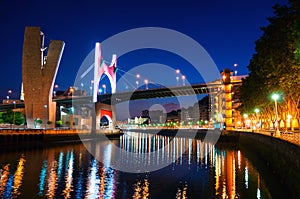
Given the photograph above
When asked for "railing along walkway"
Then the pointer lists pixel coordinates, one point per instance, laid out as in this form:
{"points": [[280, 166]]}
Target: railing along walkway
{"points": [[293, 137]]}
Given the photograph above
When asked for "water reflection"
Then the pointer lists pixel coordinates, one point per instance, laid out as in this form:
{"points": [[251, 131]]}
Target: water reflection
{"points": [[141, 189], [18, 177], [10, 183], [182, 191], [203, 171], [101, 182], [69, 177], [43, 178], [137, 151], [52, 177], [225, 174], [4, 175]]}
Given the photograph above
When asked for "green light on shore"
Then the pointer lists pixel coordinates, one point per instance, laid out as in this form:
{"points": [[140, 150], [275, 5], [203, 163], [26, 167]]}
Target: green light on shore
{"points": [[275, 96]]}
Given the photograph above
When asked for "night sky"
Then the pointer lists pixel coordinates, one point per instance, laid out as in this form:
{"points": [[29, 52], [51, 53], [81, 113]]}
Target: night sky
{"points": [[227, 29]]}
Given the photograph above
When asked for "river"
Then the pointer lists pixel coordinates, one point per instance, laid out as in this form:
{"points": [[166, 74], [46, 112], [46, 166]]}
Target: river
{"points": [[181, 168]]}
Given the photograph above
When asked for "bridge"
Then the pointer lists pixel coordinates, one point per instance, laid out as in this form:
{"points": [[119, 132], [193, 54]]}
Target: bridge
{"points": [[119, 97], [39, 101], [115, 98]]}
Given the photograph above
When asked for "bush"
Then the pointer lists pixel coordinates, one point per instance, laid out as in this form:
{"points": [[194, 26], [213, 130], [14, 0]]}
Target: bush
{"points": [[58, 123], [39, 121]]}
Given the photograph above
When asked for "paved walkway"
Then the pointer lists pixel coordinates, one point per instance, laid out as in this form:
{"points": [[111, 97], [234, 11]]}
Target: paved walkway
{"points": [[293, 137]]}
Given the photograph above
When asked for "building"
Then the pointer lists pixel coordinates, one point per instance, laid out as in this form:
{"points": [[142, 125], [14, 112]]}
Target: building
{"points": [[218, 102]]}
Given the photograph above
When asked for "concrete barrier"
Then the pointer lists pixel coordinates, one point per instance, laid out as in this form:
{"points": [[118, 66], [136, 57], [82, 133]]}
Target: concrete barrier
{"points": [[280, 157], [14, 138]]}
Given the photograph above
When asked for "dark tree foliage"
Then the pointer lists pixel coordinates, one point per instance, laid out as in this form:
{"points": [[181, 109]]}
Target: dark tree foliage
{"points": [[8, 117], [19, 118], [11, 117], [275, 66]]}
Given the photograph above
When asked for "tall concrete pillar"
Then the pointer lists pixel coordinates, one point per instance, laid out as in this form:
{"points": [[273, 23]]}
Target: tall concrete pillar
{"points": [[38, 74]]}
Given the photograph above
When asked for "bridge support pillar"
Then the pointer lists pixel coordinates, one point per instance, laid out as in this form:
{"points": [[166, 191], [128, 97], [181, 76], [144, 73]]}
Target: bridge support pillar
{"points": [[105, 110], [38, 74]]}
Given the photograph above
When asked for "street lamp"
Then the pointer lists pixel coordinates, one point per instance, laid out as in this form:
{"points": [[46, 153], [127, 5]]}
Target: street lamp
{"points": [[146, 82], [71, 91], [81, 88], [55, 89], [275, 97], [235, 66], [289, 121], [137, 84], [245, 116], [177, 78], [45, 115], [14, 102], [183, 80], [8, 93], [91, 86], [256, 110], [104, 88]]}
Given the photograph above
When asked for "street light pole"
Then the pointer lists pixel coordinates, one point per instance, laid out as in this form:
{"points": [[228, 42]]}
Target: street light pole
{"points": [[256, 110], [137, 81], [183, 80], [146, 82], [14, 112], [81, 89], [177, 78], [91, 87], [275, 97], [104, 88], [235, 66], [8, 93], [45, 114], [137, 84]]}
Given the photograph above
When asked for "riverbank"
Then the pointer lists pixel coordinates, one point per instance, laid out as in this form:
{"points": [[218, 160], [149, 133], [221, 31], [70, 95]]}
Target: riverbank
{"points": [[14, 139], [278, 156]]}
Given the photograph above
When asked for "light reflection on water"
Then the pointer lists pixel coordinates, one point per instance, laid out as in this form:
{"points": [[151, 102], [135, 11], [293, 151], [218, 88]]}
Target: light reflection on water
{"points": [[203, 171]]}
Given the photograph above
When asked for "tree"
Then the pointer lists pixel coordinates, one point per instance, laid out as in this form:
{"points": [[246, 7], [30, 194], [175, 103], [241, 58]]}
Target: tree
{"points": [[19, 118], [1, 118], [275, 66], [39, 121], [8, 117]]}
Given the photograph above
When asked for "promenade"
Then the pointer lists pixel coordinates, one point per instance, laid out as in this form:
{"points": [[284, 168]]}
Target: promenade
{"points": [[292, 137]]}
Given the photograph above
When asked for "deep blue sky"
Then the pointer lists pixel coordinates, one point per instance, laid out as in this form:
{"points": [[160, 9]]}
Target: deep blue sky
{"points": [[227, 29]]}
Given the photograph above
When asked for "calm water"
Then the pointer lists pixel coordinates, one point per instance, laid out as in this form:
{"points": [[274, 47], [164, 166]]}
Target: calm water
{"points": [[70, 171]]}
